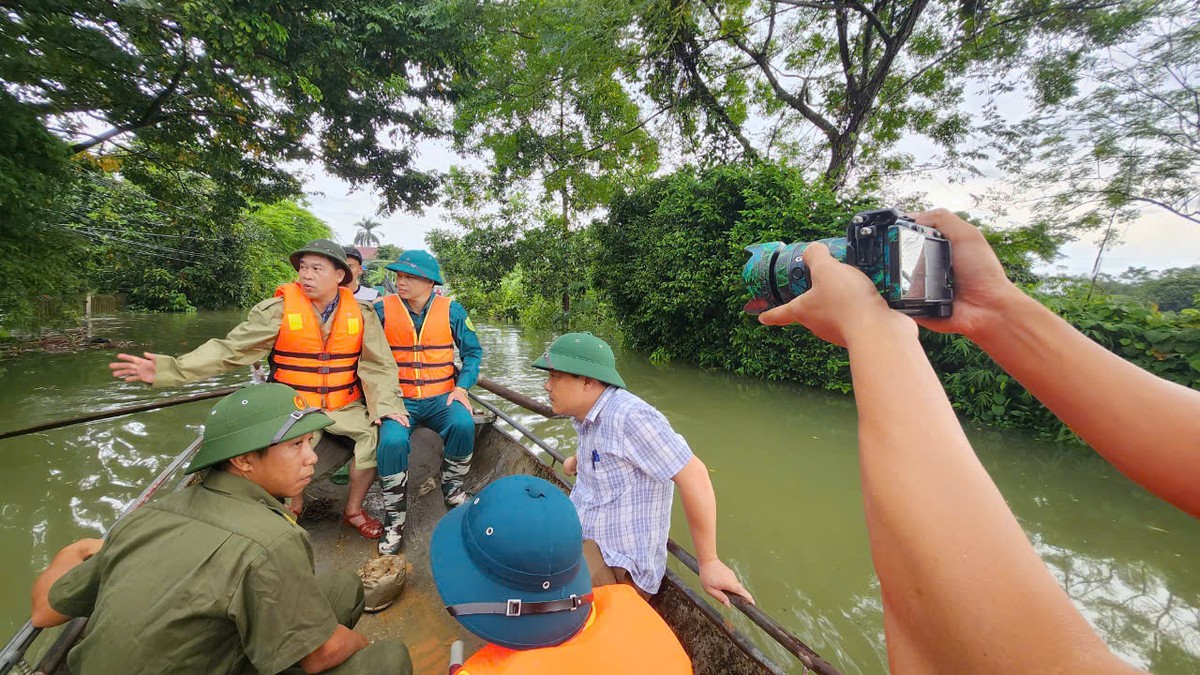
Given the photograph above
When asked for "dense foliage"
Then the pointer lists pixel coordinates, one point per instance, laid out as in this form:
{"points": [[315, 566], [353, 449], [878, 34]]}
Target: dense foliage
{"points": [[187, 254], [670, 262], [670, 258], [1170, 290], [138, 137], [33, 167], [514, 269], [233, 90]]}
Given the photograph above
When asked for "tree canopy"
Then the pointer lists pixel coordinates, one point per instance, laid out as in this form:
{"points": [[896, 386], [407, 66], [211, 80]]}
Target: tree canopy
{"points": [[234, 91]]}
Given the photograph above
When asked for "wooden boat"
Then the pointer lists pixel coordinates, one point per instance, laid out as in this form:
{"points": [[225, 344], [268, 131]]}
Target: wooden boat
{"points": [[418, 616]]}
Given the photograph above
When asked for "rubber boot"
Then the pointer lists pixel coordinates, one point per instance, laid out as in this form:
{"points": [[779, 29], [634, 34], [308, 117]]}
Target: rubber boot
{"points": [[454, 472], [395, 511]]}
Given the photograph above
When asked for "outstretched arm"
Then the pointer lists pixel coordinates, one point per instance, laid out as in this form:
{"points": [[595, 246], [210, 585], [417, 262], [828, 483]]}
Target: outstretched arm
{"points": [[248, 342], [963, 590], [1144, 425]]}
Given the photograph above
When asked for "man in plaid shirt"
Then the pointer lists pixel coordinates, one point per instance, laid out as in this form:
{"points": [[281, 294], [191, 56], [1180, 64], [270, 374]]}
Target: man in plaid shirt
{"points": [[629, 462]]}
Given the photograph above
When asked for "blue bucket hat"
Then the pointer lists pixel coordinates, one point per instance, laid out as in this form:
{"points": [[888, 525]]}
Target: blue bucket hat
{"points": [[419, 264], [509, 564]]}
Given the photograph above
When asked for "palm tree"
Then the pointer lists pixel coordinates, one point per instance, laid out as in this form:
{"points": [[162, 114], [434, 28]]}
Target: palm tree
{"points": [[366, 232]]}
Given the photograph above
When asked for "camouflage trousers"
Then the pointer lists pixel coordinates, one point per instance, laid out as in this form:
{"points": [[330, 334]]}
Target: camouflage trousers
{"points": [[453, 423], [456, 426]]}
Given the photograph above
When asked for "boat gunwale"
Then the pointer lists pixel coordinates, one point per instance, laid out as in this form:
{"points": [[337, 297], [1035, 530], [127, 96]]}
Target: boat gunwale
{"points": [[809, 658]]}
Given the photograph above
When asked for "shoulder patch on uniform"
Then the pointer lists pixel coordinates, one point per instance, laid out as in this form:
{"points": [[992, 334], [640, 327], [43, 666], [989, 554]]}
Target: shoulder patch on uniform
{"points": [[470, 326], [269, 302]]}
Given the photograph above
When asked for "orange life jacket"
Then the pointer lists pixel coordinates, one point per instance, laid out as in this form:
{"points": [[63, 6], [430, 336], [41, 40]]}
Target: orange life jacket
{"points": [[426, 361], [623, 635], [325, 372]]}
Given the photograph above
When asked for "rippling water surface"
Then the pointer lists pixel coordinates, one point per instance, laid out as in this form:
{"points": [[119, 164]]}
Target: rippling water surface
{"points": [[782, 460]]}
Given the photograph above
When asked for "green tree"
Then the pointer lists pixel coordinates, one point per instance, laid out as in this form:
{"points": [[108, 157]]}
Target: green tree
{"points": [[35, 259], [235, 90], [1125, 141], [366, 232], [549, 104], [842, 81]]}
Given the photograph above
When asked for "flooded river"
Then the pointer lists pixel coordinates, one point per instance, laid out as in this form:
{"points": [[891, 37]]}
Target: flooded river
{"points": [[783, 461]]}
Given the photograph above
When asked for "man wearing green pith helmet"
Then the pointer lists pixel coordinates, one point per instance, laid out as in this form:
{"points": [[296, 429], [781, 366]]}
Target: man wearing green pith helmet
{"points": [[629, 461], [218, 578]]}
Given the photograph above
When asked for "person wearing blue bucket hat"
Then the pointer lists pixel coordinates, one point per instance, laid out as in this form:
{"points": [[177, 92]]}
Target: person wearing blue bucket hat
{"points": [[509, 566], [252, 600], [423, 329], [629, 462]]}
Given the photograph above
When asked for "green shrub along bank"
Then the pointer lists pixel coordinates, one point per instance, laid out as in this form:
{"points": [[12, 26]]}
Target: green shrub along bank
{"points": [[518, 275], [669, 261]]}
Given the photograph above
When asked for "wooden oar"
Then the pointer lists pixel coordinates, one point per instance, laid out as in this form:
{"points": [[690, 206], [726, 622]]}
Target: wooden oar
{"points": [[117, 412]]}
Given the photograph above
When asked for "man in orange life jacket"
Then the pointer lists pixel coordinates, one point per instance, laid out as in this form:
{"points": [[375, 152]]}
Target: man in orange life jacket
{"points": [[319, 340], [509, 565], [423, 328]]}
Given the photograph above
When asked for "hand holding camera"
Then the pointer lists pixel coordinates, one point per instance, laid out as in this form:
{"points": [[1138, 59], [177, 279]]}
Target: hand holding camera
{"points": [[840, 304], [982, 292], [909, 264]]}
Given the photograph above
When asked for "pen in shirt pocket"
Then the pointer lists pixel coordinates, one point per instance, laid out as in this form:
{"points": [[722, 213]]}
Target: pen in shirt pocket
{"points": [[595, 458]]}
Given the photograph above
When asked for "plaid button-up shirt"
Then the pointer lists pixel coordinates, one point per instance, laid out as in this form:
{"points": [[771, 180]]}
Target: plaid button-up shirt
{"points": [[628, 453]]}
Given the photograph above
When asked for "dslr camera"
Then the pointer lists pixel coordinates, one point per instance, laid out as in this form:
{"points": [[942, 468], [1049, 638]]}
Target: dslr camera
{"points": [[908, 263]]}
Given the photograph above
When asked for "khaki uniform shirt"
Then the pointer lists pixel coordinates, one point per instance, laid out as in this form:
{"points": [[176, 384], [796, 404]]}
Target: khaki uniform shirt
{"points": [[214, 579], [253, 339]]}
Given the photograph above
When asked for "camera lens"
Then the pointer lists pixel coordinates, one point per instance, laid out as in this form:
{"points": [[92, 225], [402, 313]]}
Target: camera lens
{"points": [[775, 273]]}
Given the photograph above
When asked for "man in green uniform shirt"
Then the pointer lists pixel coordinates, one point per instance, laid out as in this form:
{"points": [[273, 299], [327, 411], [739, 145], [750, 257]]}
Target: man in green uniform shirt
{"points": [[321, 272], [218, 578]]}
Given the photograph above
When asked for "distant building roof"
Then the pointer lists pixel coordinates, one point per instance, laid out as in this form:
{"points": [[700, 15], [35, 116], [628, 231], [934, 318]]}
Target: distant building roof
{"points": [[368, 252]]}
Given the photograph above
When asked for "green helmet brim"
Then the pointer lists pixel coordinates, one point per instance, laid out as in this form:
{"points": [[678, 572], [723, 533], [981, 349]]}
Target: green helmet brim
{"points": [[577, 366], [253, 437]]}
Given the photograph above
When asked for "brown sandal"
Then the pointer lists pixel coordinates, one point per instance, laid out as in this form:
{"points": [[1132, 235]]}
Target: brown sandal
{"points": [[366, 525]]}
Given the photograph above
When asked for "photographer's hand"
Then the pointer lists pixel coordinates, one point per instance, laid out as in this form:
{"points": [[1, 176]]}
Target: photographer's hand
{"points": [[841, 301], [963, 591], [982, 292], [1089, 388]]}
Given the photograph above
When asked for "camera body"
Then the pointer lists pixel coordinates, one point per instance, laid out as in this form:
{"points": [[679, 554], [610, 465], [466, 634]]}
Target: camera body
{"points": [[908, 263]]}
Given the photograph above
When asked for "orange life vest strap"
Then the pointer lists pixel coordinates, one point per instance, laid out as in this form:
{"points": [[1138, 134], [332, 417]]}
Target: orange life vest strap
{"points": [[323, 369], [424, 361]]}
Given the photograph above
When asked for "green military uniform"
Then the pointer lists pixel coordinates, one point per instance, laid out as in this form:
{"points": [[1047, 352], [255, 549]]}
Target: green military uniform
{"points": [[214, 579], [252, 341]]}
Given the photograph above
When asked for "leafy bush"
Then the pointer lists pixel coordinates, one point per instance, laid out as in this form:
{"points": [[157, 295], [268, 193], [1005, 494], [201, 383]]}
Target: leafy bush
{"points": [[38, 255], [670, 258]]}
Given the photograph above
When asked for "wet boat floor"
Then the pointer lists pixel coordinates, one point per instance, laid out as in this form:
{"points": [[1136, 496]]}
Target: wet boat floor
{"points": [[418, 617]]}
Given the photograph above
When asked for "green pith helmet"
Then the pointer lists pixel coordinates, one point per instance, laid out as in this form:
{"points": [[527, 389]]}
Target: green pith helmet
{"points": [[328, 249], [582, 354], [254, 418], [419, 264]]}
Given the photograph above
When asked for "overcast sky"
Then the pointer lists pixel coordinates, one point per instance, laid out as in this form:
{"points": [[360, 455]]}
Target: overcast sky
{"points": [[1157, 241]]}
